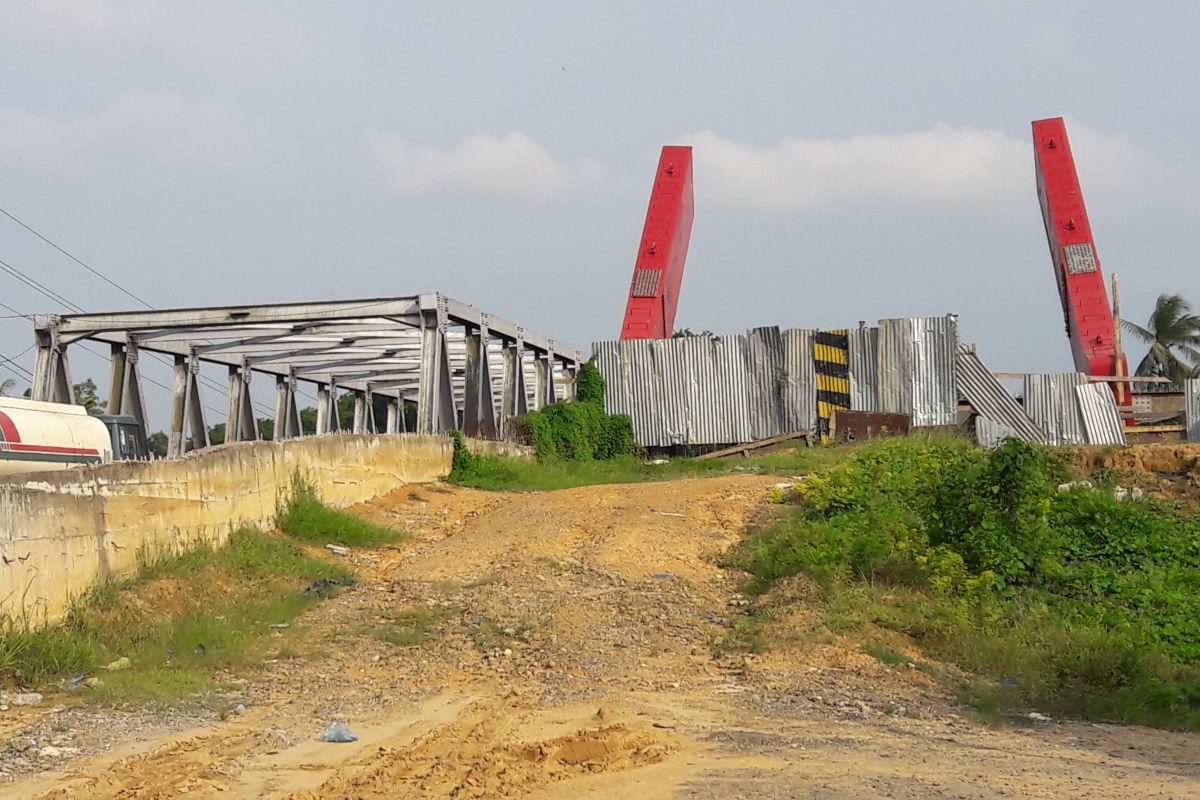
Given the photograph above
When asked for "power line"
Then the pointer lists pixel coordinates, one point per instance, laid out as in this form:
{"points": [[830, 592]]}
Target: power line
{"points": [[211, 384], [30, 282], [90, 269], [56, 297], [10, 363]]}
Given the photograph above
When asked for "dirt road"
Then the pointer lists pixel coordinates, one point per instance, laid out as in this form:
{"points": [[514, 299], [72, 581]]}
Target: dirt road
{"points": [[569, 652]]}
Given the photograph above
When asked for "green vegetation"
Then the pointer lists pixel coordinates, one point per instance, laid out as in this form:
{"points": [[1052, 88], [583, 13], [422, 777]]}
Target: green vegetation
{"points": [[579, 430], [503, 473], [180, 621], [1068, 602], [302, 516], [1173, 336], [412, 626]]}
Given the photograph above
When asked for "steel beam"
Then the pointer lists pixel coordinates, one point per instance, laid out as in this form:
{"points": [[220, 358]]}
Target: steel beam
{"points": [[131, 394], [514, 402], [195, 407], [178, 408], [398, 308], [116, 385]]}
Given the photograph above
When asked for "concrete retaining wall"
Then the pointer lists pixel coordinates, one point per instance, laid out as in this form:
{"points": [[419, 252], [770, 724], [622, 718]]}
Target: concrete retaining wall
{"points": [[60, 532]]}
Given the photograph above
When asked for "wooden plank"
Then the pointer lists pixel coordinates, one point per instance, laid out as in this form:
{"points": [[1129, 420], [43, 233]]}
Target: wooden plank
{"points": [[1156, 429], [755, 445], [1093, 378]]}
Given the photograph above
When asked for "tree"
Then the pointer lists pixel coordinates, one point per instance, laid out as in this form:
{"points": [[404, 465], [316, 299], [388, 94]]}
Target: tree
{"points": [[7, 386], [683, 333], [1173, 333], [87, 396], [157, 442]]}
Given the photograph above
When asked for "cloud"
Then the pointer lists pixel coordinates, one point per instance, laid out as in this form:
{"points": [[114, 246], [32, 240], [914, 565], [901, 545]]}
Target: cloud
{"points": [[511, 166], [942, 166], [163, 128], [796, 176]]}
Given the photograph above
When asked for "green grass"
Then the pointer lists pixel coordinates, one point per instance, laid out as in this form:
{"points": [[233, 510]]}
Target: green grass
{"points": [[411, 627], [748, 635], [302, 516], [490, 634], [1069, 603], [182, 620], [503, 473]]}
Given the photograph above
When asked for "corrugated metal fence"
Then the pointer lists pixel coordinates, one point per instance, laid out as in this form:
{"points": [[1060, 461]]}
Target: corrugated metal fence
{"points": [[707, 390], [1191, 399]]}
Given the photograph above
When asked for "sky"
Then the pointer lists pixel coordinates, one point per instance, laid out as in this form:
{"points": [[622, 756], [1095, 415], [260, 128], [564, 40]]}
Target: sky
{"points": [[852, 161]]}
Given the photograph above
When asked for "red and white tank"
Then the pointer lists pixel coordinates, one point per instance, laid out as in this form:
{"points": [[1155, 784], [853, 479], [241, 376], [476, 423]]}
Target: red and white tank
{"points": [[36, 437]]}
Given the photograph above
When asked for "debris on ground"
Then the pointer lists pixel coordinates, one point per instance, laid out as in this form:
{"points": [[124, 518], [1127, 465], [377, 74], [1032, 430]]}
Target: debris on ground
{"points": [[337, 732]]}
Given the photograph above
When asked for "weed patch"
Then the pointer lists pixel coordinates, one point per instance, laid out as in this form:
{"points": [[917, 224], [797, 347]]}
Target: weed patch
{"points": [[502, 473], [1069, 602], [302, 516], [181, 620], [413, 626]]}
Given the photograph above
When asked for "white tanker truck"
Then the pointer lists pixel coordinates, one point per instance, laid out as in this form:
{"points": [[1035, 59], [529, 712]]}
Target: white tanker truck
{"points": [[35, 437]]}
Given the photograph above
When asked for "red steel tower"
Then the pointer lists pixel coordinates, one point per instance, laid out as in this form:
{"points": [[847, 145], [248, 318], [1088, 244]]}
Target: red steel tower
{"points": [[658, 272], [1086, 311]]}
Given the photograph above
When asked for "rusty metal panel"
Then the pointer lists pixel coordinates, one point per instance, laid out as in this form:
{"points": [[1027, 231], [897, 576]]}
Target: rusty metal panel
{"points": [[859, 426], [1191, 408], [1051, 402], [1101, 419], [864, 367], [992, 401], [799, 388], [764, 363]]}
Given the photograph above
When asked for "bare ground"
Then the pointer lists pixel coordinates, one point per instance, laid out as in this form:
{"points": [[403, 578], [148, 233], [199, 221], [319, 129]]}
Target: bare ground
{"points": [[571, 654]]}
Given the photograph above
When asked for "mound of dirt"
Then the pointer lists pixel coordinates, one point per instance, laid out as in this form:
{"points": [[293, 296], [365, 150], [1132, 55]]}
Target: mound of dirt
{"points": [[1151, 459]]}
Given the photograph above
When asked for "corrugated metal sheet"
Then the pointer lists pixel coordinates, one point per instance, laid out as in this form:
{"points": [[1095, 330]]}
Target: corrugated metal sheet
{"points": [[733, 389], [764, 361], [1101, 419], [1191, 399], [719, 392], [864, 366], [990, 433], [916, 369], [991, 400], [894, 366], [1051, 402], [799, 389]]}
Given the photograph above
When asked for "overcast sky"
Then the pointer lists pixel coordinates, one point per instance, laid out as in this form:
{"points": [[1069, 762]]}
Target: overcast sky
{"points": [[852, 160]]}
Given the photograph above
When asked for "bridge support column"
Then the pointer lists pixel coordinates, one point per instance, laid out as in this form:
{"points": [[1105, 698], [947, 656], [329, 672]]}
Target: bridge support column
{"points": [[131, 395], [435, 394], [195, 408], [514, 402], [479, 404]]}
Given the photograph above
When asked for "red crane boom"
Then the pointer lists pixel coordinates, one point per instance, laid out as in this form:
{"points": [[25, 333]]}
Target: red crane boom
{"points": [[1086, 311], [658, 272]]}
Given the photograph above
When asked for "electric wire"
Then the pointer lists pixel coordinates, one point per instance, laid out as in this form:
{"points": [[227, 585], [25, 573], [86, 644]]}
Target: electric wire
{"points": [[208, 381]]}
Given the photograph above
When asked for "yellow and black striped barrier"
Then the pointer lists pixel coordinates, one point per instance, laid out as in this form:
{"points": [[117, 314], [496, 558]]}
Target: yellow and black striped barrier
{"points": [[831, 354]]}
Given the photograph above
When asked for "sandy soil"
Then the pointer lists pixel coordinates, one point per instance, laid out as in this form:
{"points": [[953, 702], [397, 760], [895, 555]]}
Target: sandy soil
{"points": [[573, 657]]}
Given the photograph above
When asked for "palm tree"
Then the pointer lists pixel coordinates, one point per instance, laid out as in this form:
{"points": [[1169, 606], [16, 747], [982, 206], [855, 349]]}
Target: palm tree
{"points": [[1173, 333]]}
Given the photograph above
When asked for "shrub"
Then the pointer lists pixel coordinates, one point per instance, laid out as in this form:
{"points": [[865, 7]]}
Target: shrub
{"points": [[1093, 603], [579, 430]]}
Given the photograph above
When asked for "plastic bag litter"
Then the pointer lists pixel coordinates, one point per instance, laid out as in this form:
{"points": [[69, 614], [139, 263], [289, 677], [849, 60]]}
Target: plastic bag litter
{"points": [[337, 732]]}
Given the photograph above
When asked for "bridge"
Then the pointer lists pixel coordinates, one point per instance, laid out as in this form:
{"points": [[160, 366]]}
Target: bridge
{"points": [[463, 368]]}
